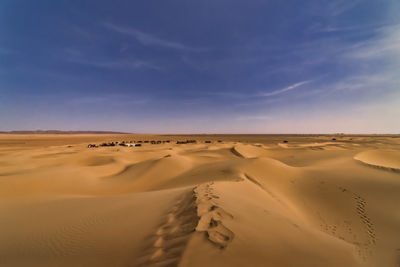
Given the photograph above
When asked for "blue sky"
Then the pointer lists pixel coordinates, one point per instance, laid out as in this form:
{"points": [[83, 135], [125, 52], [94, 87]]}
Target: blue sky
{"points": [[201, 66]]}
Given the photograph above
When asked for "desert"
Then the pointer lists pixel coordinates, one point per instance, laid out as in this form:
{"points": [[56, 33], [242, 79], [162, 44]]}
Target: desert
{"points": [[200, 133], [237, 200]]}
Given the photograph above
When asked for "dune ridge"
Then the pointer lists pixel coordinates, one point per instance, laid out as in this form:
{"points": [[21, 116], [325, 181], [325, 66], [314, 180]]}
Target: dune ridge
{"points": [[385, 160], [212, 216], [171, 237]]}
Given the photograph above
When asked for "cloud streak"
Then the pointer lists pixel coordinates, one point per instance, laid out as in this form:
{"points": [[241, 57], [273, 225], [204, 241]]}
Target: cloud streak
{"points": [[337, 8], [148, 39], [76, 57], [286, 89], [386, 45], [117, 64]]}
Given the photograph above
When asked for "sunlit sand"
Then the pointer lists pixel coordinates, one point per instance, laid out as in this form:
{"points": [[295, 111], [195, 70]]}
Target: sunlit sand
{"points": [[239, 200]]}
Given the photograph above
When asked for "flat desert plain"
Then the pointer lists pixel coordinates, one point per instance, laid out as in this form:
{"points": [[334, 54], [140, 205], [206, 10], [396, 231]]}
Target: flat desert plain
{"points": [[248, 200]]}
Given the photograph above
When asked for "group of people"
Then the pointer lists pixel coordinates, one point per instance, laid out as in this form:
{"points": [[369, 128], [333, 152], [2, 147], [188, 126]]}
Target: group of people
{"points": [[139, 143], [123, 143]]}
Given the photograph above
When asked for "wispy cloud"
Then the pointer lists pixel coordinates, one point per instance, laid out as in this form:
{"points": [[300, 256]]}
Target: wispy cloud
{"points": [[338, 7], [286, 89], [148, 39], [116, 64], [337, 28], [331, 8], [386, 45], [75, 56], [246, 97]]}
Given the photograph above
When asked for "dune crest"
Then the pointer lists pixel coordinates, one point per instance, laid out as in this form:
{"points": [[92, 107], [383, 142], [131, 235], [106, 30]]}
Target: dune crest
{"points": [[385, 160], [250, 151]]}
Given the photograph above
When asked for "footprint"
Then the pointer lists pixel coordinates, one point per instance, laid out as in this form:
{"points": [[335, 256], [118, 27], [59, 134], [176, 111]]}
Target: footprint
{"points": [[170, 239], [219, 234], [211, 217]]}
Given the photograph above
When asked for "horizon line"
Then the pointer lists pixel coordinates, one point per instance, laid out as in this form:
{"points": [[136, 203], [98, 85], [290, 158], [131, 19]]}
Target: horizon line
{"points": [[99, 132]]}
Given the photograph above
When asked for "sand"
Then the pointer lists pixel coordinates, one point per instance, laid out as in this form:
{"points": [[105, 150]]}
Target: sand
{"points": [[249, 200]]}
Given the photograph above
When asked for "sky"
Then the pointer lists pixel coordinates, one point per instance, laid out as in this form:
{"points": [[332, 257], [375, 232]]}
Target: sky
{"points": [[210, 66]]}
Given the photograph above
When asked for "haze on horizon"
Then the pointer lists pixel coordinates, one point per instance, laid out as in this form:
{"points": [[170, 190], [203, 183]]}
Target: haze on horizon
{"points": [[201, 66]]}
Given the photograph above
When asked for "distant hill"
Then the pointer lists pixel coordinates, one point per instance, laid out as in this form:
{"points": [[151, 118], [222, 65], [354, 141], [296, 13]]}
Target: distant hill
{"points": [[61, 132]]}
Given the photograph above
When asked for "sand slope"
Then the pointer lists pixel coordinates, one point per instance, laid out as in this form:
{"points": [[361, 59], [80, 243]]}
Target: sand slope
{"points": [[247, 202], [383, 159]]}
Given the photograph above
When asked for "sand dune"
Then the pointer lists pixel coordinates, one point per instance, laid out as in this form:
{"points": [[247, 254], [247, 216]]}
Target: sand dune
{"points": [[245, 201], [250, 151], [387, 160]]}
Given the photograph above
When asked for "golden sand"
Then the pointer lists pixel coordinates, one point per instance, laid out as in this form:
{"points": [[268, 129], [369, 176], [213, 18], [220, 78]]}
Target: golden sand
{"points": [[249, 200]]}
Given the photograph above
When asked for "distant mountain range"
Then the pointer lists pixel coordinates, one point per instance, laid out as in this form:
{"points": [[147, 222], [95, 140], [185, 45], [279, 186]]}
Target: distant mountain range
{"points": [[61, 132]]}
